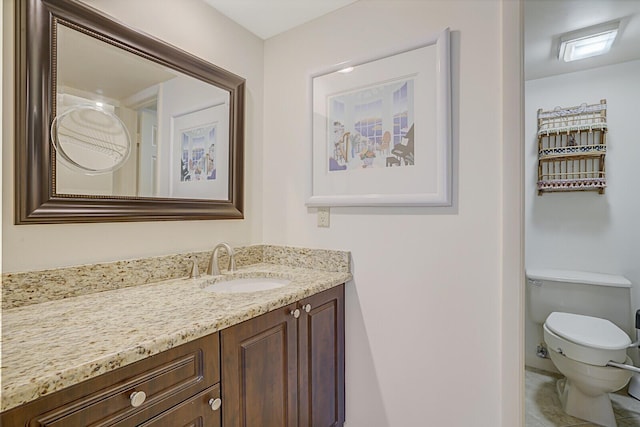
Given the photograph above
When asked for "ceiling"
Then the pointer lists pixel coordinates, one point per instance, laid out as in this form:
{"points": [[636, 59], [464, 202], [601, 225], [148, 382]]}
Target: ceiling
{"points": [[91, 66], [545, 21], [267, 18]]}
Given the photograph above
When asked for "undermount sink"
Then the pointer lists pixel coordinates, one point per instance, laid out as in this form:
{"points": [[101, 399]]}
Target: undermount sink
{"points": [[253, 284]]}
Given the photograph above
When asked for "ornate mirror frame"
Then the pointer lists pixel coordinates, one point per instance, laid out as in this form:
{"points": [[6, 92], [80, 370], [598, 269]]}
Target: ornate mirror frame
{"points": [[36, 200]]}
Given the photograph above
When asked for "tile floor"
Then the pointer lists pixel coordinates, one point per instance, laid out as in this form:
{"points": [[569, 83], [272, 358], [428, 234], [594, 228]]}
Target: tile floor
{"points": [[543, 405]]}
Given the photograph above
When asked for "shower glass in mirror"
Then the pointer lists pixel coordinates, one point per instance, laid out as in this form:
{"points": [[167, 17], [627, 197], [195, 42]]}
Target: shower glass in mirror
{"points": [[179, 125]]}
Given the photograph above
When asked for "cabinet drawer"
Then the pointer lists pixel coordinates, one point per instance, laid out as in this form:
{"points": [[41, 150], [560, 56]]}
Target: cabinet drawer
{"points": [[196, 411], [166, 379]]}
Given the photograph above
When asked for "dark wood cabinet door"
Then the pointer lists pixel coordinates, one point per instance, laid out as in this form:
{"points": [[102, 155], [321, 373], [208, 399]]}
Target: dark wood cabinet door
{"points": [[321, 359], [259, 371], [194, 412]]}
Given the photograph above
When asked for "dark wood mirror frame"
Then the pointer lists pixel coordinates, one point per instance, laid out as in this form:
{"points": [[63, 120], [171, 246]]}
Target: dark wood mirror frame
{"points": [[36, 200]]}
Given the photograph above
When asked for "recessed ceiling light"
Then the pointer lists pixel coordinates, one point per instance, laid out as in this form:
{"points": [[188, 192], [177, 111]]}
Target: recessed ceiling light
{"points": [[346, 70], [592, 41]]}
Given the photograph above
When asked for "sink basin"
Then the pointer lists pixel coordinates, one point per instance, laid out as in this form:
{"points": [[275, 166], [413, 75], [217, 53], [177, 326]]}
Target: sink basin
{"points": [[253, 284]]}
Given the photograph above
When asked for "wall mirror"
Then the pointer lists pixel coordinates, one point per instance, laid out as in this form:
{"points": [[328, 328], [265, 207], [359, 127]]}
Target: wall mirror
{"points": [[115, 125]]}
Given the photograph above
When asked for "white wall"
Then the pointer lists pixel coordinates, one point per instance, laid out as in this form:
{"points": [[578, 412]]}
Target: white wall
{"points": [[433, 316], [424, 313], [2, 120], [192, 26], [584, 230]]}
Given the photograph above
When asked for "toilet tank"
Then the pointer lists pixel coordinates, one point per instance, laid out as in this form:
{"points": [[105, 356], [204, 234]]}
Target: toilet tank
{"points": [[607, 296]]}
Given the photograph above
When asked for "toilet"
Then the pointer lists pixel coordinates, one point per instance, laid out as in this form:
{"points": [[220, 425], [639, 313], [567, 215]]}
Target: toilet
{"points": [[586, 320]]}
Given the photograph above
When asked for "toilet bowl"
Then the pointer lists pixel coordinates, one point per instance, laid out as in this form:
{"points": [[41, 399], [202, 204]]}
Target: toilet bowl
{"points": [[580, 347]]}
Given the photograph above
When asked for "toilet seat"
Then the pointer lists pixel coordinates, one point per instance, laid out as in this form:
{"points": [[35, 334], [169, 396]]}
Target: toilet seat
{"points": [[586, 339]]}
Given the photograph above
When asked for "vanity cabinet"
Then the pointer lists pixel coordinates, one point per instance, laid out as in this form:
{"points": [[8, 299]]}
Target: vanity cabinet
{"points": [[197, 411], [286, 367], [321, 359], [174, 388]]}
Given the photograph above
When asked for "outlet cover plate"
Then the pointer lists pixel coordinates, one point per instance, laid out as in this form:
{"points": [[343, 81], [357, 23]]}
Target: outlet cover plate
{"points": [[323, 217]]}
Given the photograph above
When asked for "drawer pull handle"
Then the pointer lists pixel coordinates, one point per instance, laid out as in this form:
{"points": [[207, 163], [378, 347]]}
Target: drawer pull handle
{"points": [[295, 313], [215, 403], [307, 307], [137, 398]]}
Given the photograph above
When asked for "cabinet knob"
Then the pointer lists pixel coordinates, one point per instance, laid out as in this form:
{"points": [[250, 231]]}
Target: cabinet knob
{"points": [[215, 403], [295, 313], [307, 307], [137, 398]]}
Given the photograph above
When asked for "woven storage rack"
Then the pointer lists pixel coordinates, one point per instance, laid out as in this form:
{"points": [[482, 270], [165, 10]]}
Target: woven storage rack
{"points": [[572, 144]]}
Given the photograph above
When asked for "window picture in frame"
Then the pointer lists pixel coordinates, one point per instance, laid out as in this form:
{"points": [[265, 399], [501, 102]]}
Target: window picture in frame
{"points": [[382, 129]]}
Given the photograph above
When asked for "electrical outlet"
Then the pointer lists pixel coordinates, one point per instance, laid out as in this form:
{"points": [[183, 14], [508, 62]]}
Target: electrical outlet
{"points": [[323, 217]]}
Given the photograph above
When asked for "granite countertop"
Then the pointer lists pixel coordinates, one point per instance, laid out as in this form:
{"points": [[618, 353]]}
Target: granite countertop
{"points": [[52, 345]]}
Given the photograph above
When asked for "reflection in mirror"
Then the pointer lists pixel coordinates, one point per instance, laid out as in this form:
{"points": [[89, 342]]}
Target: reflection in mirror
{"points": [[90, 139], [185, 117], [178, 124]]}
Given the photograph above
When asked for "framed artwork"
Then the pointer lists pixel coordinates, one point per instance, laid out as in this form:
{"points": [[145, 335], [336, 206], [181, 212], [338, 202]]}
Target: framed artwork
{"points": [[381, 129], [200, 154]]}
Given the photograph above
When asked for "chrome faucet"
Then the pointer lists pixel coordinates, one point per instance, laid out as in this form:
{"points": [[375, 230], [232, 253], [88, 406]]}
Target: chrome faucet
{"points": [[213, 269]]}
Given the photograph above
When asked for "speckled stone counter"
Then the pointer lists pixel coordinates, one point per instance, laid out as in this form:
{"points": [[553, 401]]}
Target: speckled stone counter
{"points": [[52, 345], [35, 287]]}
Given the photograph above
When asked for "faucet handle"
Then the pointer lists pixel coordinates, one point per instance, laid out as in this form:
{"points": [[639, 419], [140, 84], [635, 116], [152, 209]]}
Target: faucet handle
{"points": [[195, 273]]}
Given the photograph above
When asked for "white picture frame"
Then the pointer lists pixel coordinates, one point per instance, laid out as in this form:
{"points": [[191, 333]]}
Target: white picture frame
{"points": [[381, 129]]}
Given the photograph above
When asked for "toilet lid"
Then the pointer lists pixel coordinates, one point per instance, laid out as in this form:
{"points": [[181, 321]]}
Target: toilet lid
{"points": [[588, 331]]}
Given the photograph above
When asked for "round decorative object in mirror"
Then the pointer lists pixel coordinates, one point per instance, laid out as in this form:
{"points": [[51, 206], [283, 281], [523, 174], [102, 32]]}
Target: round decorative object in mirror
{"points": [[90, 139], [68, 54]]}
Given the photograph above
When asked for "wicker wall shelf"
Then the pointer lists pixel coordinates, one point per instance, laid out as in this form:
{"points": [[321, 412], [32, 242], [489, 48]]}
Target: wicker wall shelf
{"points": [[572, 144]]}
